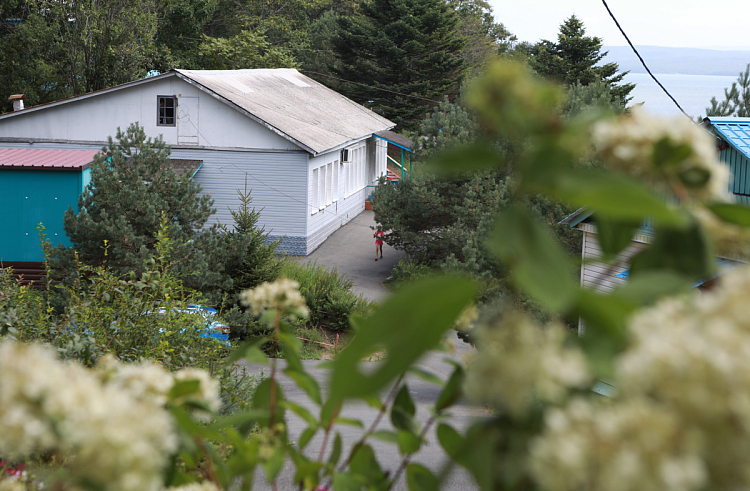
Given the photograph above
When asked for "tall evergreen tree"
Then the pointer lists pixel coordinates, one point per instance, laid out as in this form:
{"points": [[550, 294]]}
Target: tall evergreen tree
{"points": [[736, 98], [574, 59], [406, 46], [133, 185]]}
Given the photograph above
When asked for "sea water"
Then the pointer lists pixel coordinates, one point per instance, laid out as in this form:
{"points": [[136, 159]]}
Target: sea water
{"points": [[692, 92]]}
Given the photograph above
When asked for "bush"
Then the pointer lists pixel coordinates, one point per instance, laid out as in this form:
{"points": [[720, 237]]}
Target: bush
{"points": [[328, 295]]}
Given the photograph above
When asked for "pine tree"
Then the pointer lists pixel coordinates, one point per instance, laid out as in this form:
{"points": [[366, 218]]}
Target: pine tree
{"points": [[573, 60], [736, 98], [132, 186], [406, 46]]}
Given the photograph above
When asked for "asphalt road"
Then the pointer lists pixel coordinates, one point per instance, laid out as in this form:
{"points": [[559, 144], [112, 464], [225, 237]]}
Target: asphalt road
{"points": [[351, 250]]}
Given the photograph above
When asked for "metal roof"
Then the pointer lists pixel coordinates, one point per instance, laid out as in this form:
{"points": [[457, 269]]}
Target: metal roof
{"points": [[736, 131], [24, 158], [395, 139], [294, 106]]}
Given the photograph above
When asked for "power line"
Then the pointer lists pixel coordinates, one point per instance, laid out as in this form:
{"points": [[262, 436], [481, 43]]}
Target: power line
{"points": [[643, 62], [371, 87]]}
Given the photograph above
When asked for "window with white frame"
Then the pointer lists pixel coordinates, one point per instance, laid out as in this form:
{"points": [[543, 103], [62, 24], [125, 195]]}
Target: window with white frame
{"points": [[322, 186], [315, 189], [329, 183], [336, 172]]}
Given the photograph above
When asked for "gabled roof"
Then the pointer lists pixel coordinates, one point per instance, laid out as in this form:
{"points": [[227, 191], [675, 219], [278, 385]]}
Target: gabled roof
{"points": [[736, 131], [294, 106], [23, 158]]}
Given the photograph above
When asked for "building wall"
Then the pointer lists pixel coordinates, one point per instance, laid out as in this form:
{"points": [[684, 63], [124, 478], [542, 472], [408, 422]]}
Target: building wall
{"points": [[350, 184], [94, 119], [31, 197], [278, 181], [602, 277]]}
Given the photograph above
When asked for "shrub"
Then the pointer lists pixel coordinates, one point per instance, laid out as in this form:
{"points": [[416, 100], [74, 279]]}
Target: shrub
{"points": [[328, 294]]}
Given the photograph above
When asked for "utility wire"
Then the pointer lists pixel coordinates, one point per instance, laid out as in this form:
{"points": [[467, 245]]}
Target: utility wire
{"points": [[643, 62], [371, 87]]}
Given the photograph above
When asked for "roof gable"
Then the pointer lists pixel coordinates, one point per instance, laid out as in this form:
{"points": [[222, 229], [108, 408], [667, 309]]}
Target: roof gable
{"points": [[295, 106]]}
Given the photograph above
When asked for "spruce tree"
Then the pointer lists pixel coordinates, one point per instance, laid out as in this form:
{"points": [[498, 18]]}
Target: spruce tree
{"points": [[574, 58], [133, 185], [406, 46]]}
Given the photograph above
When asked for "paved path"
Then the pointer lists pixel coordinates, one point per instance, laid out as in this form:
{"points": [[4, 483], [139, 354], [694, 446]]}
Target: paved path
{"points": [[351, 250]]}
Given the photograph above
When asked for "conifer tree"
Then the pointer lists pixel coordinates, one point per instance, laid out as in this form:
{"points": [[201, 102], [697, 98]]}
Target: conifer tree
{"points": [[736, 101], [132, 185], [574, 58], [406, 46]]}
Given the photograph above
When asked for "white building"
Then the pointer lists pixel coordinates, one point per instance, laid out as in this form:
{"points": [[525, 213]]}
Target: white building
{"points": [[307, 152]]}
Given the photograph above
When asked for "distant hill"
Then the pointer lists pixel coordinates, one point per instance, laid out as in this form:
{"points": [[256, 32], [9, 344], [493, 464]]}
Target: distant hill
{"points": [[690, 61]]}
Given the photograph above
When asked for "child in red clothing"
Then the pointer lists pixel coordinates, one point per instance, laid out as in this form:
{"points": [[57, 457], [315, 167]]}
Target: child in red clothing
{"points": [[379, 242]]}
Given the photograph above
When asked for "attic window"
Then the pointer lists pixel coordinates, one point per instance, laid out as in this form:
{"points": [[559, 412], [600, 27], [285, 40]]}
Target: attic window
{"points": [[167, 105]]}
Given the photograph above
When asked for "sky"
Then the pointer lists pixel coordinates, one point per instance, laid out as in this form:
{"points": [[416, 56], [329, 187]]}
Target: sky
{"points": [[670, 23]]}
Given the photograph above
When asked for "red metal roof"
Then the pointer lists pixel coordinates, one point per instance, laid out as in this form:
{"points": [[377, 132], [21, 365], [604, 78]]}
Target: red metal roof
{"points": [[24, 158]]}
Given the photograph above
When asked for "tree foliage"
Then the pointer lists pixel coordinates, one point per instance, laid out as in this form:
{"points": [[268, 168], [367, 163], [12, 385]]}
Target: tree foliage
{"points": [[133, 185], [736, 98], [245, 50], [402, 46], [574, 58]]}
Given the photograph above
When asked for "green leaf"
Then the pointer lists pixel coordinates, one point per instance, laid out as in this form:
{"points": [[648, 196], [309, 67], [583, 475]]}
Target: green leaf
{"points": [[667, 153], [425, 375], [408, 442], [736, 214], [350, 422], [333, 459], [403, 410], [306, 382], [614, 196], [615, 235], [685, 251], [307, 435], [538, 263], [250, 351], [385, 436], [183, 388], [274, 463], [648, 287], [262, 400], [408, 324], [466, 158], [419, 478], [347, 482], [451, 441], [452, 391], [364, 463], [302, 412]]}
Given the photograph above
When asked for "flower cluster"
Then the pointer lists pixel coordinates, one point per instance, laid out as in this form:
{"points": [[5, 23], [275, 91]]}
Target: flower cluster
{"points": [[519, 360], [619, 447], [196, 486], [676, 151], [282, 295], [114, 440], [208, 391], [682, 417]]}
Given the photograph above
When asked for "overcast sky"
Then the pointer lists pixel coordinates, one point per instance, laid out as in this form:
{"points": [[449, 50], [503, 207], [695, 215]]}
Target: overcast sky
{"points": [[674, 23]]}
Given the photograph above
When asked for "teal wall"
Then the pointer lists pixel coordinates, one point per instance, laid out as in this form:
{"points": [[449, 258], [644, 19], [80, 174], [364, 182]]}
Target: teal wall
{"points": [[28, 198]]}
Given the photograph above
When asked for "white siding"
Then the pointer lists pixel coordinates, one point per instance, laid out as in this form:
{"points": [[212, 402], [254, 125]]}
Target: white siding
{"points": [[95, 118], [278, 182]]}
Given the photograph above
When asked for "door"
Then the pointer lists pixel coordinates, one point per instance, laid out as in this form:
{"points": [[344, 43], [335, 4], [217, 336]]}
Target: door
{"points": [[187, 121]]}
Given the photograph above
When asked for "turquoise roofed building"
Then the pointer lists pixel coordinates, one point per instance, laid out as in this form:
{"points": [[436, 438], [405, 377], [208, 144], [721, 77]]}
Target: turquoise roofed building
{"points": [[733, 143]]}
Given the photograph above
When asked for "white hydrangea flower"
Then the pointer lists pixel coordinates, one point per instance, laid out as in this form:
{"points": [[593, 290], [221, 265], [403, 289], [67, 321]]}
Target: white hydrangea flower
{"points": [[282, 294], [209, 387], [519, 360], [11, 484], [111, 438], [694, 358], [196, 486], [625, 446], [147, 380], [628, 143]]}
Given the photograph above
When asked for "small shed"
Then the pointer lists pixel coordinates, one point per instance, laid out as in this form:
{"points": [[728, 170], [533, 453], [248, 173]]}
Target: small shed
{"points": [[37, 186], [734, 148]]}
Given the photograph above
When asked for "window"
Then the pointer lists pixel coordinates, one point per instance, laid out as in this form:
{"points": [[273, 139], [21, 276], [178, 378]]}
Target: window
{"points": [[323, 183], [167, 110], [329, 183], [315, 187], [336, 172]]}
